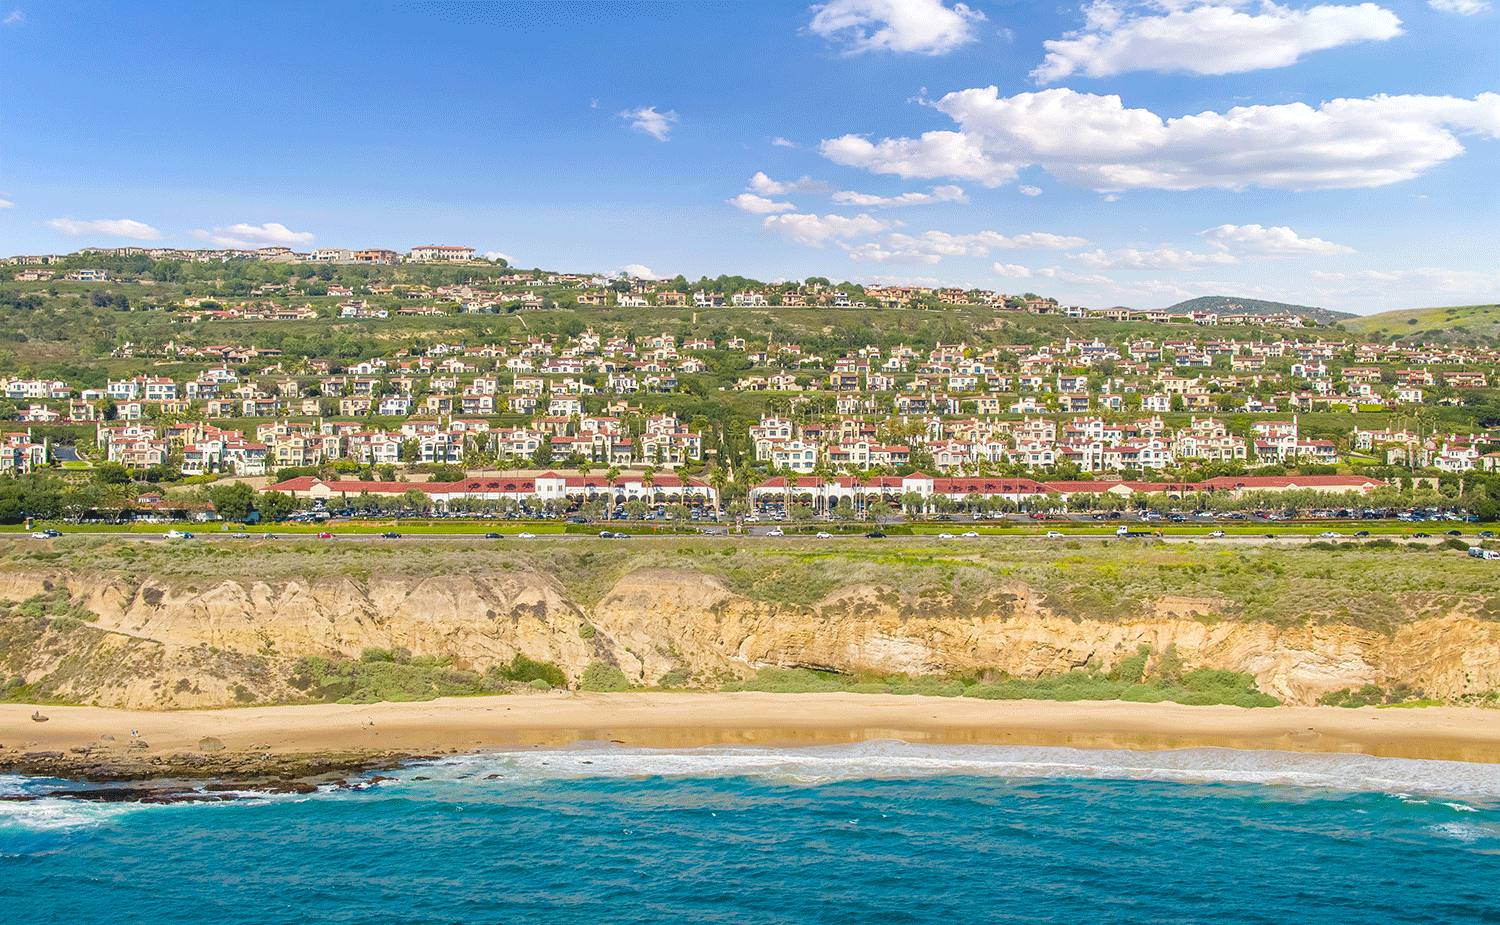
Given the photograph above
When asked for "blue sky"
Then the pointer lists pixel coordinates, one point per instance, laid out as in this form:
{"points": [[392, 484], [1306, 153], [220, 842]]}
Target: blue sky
{"points": [[1337, 154]]}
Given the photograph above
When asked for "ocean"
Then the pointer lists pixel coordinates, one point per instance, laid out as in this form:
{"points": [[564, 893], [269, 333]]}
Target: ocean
{"points": [[879, 832]]}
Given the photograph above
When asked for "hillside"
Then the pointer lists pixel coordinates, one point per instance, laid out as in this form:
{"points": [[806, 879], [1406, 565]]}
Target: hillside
{"points": [[1221, 303], [1454, 324], [192, 626]]}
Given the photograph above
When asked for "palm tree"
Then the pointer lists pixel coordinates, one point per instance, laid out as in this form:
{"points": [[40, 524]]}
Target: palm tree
{"points": [[717, 480]]}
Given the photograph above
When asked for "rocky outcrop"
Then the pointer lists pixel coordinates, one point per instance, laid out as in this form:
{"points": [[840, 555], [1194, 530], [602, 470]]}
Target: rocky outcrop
{"points": [[156, 645]]}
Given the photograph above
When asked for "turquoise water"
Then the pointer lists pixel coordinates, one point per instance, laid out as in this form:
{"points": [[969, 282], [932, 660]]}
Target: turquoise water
{"points": [[880, 832]]}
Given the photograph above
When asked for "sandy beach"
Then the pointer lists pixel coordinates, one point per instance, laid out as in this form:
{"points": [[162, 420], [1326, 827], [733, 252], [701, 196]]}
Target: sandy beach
{"points": [[667, 720]]}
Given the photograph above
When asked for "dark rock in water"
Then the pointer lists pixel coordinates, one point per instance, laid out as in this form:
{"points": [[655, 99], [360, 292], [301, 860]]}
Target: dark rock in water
{"points": [[421, 778], [290, 786], [493, 777], [210, 744]]}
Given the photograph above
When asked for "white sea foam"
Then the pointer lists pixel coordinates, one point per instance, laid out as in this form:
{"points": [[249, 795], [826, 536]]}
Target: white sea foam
{"points": [[889, 759]]}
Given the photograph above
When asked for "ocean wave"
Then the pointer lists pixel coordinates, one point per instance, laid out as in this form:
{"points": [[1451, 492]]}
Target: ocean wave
{"points": [[891, 759]]}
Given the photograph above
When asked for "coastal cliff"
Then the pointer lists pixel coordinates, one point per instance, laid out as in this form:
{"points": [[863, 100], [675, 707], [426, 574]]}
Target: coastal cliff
{"points": [[137, 639]]}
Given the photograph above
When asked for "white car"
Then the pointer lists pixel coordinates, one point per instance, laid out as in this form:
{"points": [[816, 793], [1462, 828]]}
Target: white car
{"points": [[945, 536], [971, 533], [824, 536], [1331, 534], [526, 536], [777, 531], [1053, 534], [178, 535], [1218, 533]]}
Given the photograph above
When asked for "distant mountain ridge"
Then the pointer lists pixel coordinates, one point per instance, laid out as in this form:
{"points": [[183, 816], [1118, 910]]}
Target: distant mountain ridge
{"points": [[1222, 303]]}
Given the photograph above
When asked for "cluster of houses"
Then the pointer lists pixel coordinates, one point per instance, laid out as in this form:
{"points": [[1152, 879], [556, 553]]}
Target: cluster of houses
{"points": [[1089, 406]]}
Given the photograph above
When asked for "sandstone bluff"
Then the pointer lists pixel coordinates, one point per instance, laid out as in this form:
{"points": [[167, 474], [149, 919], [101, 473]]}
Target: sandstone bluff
{"points": [[159, 645]]}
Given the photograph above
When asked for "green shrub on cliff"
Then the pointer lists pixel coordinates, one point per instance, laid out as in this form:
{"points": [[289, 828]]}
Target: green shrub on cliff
{"points": [[602, 677]]}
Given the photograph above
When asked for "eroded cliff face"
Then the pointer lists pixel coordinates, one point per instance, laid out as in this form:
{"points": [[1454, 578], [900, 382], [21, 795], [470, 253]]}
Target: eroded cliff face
{"points": [[160, 646]]}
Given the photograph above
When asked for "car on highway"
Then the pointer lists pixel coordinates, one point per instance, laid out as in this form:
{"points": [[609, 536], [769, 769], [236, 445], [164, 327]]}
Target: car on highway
{"points": [[1218, 533], [178, 535], [875, 535], [1054, 535], [775, 531], [526, 536], [945, 536], [1421, 536], [389, 535], [1330, 534], [46, 534], [970, 534], [325, 536], [823, 535], [492, 536], [1486, 533], [1455, 533], [1362, 533]]}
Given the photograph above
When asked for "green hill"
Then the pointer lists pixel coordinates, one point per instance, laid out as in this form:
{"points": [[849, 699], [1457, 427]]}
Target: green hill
{"points": [[1223, 303], [1454, 324]]}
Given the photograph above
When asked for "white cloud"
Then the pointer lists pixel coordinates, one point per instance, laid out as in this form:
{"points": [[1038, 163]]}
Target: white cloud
{"points": [[14, 17], [244, 235], [1207, 38], [108, 227], [1461, 7], [6, 204], [935, 154], [933, 246], [496, 255], [637, 271], [780, 142], [815, 231], [1277, 241], [759, 205], [1031, 190], [1165, 258], [1090, 140], [1011, 271], [646, 119], [760, 183], [938, 194], [924, 27]]}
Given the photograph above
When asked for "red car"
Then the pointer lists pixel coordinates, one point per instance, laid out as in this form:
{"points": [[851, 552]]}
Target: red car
{"points": [[325, 536]]}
